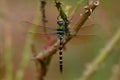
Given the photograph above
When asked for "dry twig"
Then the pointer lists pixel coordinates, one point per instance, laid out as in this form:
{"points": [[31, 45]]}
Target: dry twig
{"points": [[53, 49], [42, 56]]}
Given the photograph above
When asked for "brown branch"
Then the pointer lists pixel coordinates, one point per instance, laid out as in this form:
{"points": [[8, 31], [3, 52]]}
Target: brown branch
{"points": [[42, 8], [46, 54], [53, 49], [40, 67]]}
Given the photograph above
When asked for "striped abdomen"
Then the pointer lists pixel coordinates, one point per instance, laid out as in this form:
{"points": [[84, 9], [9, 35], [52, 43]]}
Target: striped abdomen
{"points": [[60, 57]]}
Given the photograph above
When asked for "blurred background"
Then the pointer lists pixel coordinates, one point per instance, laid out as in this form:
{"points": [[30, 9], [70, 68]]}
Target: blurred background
{"points": [[15, 52]]}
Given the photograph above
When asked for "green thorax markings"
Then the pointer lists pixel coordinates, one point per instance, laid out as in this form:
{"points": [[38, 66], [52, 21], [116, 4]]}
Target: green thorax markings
{"points": [[61, 23], [60, 27], [61, 14]]}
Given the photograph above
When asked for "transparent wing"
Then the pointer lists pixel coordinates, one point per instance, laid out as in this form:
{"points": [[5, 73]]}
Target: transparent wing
{"points": [[86, 31], [39, 34], [85, 34], [40, 29], [89, 29]]}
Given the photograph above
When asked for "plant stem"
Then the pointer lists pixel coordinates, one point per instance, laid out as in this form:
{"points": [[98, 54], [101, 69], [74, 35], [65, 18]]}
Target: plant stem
{"points": [[104, 53], [27, 48], [46, 54], [53, 49]]}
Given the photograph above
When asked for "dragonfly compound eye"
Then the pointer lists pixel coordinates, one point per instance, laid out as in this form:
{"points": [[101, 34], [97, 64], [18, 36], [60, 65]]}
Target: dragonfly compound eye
{"points": [[60, 23]]}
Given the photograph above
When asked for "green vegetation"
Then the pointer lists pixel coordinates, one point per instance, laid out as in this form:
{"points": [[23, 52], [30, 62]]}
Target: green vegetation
{"points": [[84, 59]]}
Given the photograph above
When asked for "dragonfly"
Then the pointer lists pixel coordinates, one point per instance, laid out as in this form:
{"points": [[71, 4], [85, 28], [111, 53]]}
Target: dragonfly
{"points": [[60, 32]]}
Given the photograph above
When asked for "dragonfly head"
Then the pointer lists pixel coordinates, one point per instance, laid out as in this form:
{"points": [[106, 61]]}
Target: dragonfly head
{"points": [[60, 21]]}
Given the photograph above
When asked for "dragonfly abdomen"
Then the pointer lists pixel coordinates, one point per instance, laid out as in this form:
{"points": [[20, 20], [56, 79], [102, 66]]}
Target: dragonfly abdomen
{"points": [[60, 57]]}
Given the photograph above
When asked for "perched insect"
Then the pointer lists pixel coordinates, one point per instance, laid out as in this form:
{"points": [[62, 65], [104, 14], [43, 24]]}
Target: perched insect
{"points": [[61, 31]]}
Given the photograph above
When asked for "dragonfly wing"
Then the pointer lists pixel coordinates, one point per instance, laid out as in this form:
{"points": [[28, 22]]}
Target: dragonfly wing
{"points": [[86, 31], [83, 35], [78, 39], [39, 27], [89, 29], [39, 33], [28, 28], [40, 36], [86, 34]]}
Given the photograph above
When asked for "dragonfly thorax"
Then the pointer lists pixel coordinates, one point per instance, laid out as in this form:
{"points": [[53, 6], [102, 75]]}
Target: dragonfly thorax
{"points": [[60, 23], [60, 32]]}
